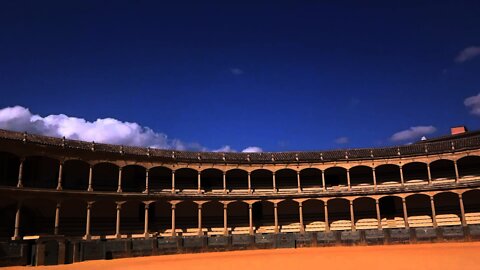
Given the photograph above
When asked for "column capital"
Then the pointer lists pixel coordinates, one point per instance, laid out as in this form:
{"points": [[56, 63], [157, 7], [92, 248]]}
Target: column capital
{"points": [[460, 195], [250, 202], [119, 203], [199, 203], [225, 203], [148, 202], [174, 202]]}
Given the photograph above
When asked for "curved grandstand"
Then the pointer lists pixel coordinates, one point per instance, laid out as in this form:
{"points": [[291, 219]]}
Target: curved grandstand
{"points": [[65, 201]]}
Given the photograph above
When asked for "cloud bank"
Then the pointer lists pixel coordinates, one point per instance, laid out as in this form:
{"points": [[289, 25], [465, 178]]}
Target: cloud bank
{"points": [[106, 130], [342, 140], [412, 133], [467, 54], [473, 103]]}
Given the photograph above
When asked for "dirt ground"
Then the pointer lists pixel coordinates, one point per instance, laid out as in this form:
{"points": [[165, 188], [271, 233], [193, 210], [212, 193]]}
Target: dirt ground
{"points": [[420, 256]]}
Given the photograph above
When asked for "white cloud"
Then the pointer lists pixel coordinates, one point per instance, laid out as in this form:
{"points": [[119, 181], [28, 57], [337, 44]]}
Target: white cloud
{"points": [[473, 103], [413, 133], [106, 130], [225, 148], [252, 149], [468, 54], [342, 140], [236, 71]]}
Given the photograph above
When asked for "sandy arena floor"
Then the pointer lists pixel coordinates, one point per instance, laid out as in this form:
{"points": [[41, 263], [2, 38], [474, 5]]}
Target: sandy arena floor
{"points": [[421, 256]]}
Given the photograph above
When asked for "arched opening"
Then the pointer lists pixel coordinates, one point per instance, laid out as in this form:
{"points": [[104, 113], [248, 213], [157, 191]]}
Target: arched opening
{"points": [[469, 167], [8, 209], [391, 212], [442, 169], [286, 180], [186, 180], [105, 177], [73, 217], [471, 204], [419, 211], [212, 217], [288, 216], [160, 179], [237, 180], [161, 220], [186, 217], [9, 164], [313, 215], [388, 174], [75, 175], [261, 180], [365, 213], [339, 214], [132, 218], [133, 178], [263, 217], [37, 217], [311, 179], [415, 172], [103, 218], [336, 177], [40, 172], [237, 217], [447, 209], [361, 176], [212, 180]]}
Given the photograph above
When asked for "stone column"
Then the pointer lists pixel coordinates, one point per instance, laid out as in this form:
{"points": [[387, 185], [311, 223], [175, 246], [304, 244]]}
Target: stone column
{"points": [[348, 179], [20, 174], [299, 183], [87, 226], [429, 174], [173, 181], [374, 174], [275, 215], [249, 183], [60, 172], [225, 217], [146, 181], [323, 181], [300, 214], [16, 232], [117, 224], [379, 217], [352, 217], [224, 182], [90, 178], [325, 208], [274, 182], [405, 213], [199, 182], [462, 210], [146, 234], [56, 228], [250, 218], [119, 188], [457, 175], [174, 233], [401, 176], [200, 231], [434, 216]]}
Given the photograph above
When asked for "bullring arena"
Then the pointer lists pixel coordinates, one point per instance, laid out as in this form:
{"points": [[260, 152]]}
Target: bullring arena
{"points": [[65, 201]]}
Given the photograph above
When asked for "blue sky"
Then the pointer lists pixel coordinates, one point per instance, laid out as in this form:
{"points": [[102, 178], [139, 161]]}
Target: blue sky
{"points": [[279, 75]]}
